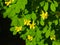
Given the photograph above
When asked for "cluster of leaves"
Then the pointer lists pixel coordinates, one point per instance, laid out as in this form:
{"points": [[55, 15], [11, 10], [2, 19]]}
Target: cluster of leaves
{"points": [[1, 4], [19, 10]]}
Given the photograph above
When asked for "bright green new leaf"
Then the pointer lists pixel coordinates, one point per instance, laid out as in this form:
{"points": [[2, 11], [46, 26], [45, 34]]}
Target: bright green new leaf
{"points": [[46, 44], [17, 10], [56, 42], [46, 6], [12, 29], [6, 13], [52, 7], [50, 23], [56, 22], [38, 34], [26, 11], [23, 36], [22, 4], [47, 33], [42, 3], [12, 14], [52, 33], [28, 42], [15, 21], [45, 29], [28, 16], [14, 32], [33, 42], [33, 16], [21, 21], [37, 22], [41, 42], [56, 4], [42, 22]]}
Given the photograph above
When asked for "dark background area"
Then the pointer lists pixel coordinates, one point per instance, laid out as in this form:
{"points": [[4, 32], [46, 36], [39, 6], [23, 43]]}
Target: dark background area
{"points": [[6, 36]]}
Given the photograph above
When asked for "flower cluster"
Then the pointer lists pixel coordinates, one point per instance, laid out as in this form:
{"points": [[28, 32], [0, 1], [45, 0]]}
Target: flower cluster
{"points": [[31, 25], [27, 22]]}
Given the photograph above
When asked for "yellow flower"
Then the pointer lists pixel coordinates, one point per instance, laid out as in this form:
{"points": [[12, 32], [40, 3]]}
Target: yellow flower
{"points": [[32, 25], [53, 37], [9, 2], [27, 22], [44, 15], [18, 28], [30, 38]]}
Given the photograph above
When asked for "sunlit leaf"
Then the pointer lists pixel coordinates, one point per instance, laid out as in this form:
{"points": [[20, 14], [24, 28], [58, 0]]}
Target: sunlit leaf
{"points": [[33, 16], [56, 22], [42, 3], [50, 23], [45, 29], [42, 22], [52, 7], [46, 6], [12, 29], [47, 33], [14, 32], [56, 4]]}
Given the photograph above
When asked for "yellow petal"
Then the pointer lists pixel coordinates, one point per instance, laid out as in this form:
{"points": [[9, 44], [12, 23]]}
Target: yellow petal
{"points": [[27, 22], [44, 15], [18, 28], [32, 26], [9, 2], [53, 37], [30, 37]]}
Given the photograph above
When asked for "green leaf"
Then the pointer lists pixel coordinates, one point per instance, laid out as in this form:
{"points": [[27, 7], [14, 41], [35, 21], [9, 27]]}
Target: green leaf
{"points": [[23, 36], [9, 11], [38, 34], [26, 11], [50, 23], [52, 7], [17, 10], [14, 32], [22, 4], [12, 14], [15, 21], [45, 29], [6, 13], [37, 22], [46, 44], [46, 6], [56, 22], [52, 33], [42, 22], [42, 3], [33, 16], [56, 42], [47, 33], [28, 16], [41, 42], [28, 42], [21, 21], [56, 4], [12, 28], [33, 41]]}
